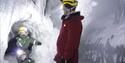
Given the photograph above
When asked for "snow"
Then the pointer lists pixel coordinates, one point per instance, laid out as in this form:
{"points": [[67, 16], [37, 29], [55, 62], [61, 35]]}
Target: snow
{"points": [[37, 21], [103, 36]]}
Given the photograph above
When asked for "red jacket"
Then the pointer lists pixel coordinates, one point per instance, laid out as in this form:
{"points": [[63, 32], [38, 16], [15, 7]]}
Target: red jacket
{"points": [[69, 37]]}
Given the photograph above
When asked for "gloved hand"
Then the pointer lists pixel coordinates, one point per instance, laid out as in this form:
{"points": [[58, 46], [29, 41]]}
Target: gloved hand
{"points": [[38, 43]]}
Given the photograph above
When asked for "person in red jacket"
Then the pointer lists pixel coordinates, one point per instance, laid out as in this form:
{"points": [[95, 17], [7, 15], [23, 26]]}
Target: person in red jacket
{"points": [[70, 33]]}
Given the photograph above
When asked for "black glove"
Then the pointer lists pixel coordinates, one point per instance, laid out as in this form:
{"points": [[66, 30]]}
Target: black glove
{"points": [[38, 43], [66, 60]]}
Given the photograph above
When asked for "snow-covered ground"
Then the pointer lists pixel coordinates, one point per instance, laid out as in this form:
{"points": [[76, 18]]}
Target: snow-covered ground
{"points": [[103, 35]]}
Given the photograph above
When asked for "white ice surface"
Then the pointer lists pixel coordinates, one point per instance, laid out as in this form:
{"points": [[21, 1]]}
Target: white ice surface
{"points": [[103, 34]]}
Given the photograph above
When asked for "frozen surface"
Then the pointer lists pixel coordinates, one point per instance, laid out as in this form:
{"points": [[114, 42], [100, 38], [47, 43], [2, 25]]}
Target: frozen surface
{"points": [[103, 35], [103, 39], [37, 13]]}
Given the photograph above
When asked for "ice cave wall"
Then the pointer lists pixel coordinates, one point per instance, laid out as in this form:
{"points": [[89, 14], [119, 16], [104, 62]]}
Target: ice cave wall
{"points": [[37, 12]]}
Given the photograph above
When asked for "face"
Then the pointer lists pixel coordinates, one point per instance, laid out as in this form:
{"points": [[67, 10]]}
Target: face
{"points": [[23, 34], [68, 8]]}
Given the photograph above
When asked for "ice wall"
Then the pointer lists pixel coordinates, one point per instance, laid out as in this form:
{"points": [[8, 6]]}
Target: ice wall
{"points": [[101, 41], [37, 13], [104, 36]]}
